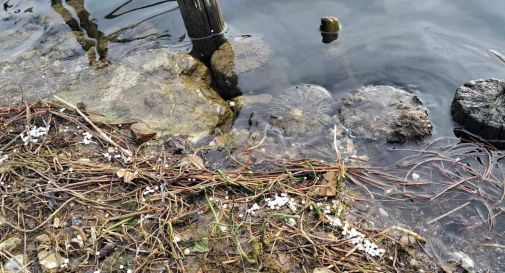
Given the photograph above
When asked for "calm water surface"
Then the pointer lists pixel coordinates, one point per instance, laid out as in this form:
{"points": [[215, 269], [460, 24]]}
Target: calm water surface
{"points": [[428, 47]]}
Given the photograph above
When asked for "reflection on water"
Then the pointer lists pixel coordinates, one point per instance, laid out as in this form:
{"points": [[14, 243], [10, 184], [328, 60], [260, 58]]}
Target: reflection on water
{"points": [[429, 48], [86, 31], [124, 8]]}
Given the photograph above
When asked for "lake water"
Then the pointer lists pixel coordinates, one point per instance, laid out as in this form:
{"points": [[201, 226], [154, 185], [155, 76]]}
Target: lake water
{"points": [[428, 47]]}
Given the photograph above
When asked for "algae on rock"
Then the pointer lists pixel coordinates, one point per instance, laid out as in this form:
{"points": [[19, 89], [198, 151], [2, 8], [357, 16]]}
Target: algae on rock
{"points": [[166, 90]]}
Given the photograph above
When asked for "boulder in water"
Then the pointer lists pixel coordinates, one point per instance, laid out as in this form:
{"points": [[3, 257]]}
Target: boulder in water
{"points": [[384, 112], [479, 106]]}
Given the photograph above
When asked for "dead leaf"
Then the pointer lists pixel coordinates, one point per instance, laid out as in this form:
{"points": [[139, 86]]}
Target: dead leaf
{"points": [[56, 222], [127, 175], [142, 133], [322, 270], [331, 177], [328, 188], [192, 161]]}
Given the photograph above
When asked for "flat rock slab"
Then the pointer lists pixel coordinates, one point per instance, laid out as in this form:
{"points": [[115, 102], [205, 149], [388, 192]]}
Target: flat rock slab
{"points": [[479, 106], [384, 113], [166, 90]]}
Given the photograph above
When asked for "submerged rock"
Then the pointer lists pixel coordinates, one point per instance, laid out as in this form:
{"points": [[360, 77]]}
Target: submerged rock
{"points": [[479, 106], [235, 59], [384, 112], [292, 123], [302, 110], [330, 26], [167, 91]]}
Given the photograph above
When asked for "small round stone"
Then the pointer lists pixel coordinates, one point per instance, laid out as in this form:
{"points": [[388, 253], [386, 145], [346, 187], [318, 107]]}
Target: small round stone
{"points": [[330, 24]]}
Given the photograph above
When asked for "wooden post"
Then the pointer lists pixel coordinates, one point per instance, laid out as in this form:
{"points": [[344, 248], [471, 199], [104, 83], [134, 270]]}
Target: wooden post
{"points": [[204, 24]]}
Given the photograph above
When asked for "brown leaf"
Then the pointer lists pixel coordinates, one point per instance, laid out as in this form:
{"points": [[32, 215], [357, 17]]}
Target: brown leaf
{"points": [[331, 176], [142, 133], [322, 270], [121, 173], [127, 175], [192, 161], [328, 188]]}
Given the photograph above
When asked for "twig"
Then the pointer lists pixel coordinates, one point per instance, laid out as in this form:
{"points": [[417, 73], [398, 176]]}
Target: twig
{"points": [[448, 213], [102, 134]]}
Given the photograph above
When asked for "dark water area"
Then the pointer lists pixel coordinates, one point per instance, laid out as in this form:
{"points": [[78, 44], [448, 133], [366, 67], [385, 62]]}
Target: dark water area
{"points": [[427, 47]]}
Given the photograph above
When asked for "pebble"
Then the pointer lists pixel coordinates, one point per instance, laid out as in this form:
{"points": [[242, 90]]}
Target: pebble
{"points": [[383, 212], [15, 264], [10, 244], [49, 260]]}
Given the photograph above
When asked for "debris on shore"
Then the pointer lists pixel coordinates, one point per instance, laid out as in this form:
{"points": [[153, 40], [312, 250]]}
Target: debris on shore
{"points": [[147, 208]]}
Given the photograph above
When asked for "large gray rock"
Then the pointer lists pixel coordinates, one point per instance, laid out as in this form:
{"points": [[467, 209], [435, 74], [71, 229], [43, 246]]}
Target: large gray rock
{"points": [[480, 107], [384, 113], [168, 91]]}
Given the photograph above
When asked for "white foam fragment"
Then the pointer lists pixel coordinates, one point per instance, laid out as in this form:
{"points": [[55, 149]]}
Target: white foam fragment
{"points": [[87, 138], [3, 158], [415, 176], [252, 210], [334, 221], [34, 134], [277, 202], [354, 236], [357, 238], [148, 190]]}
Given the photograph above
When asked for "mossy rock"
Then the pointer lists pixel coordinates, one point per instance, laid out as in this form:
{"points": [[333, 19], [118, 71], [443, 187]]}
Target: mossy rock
{"points": [[166, 90]]}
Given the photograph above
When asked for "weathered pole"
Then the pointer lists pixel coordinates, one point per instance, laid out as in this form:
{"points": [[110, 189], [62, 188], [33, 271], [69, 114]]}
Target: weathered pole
{"points": [[204, 24]]}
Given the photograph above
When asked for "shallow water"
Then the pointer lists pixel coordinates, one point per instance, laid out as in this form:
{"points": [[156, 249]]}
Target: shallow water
{"points": [[430, 48]]}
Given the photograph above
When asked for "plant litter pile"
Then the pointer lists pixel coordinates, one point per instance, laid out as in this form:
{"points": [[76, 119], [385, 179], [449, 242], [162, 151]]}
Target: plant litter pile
{"points": [[83, 197]]}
